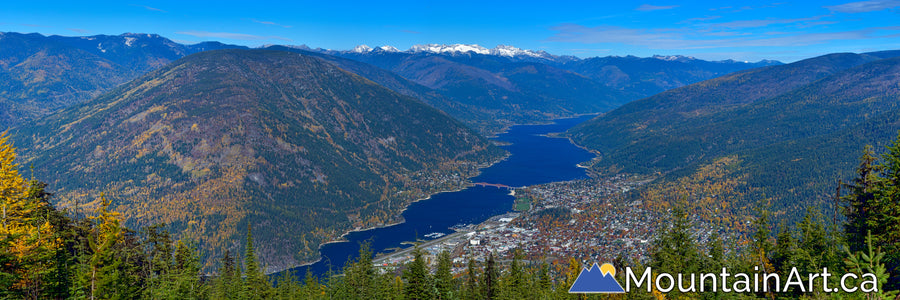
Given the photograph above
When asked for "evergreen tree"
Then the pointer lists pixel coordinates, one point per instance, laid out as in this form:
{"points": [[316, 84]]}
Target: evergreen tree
{"points": [[287, 286], [713, 262], [816, 247], [674, 250], [311, 288], [228, 284], [186, 281], [388, 286], [489, 278], [443, 277], [870, 261], [418, 284], [359, 275], [784, 254], [543, 277], [514, 282], [873, 207], [336, 287], [471, 290], [256, 286], [884, 222], [860, 200], [160, 252], [761, 245]]}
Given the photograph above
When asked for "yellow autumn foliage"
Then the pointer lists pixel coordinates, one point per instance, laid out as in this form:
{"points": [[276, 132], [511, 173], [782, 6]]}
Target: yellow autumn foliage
{"points": [[27, 238]]}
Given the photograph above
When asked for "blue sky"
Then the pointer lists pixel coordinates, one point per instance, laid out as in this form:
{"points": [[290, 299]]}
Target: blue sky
{"points": [[786, 31]]}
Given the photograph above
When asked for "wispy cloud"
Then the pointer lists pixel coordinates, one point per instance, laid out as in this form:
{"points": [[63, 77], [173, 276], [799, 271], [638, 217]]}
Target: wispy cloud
{"points": [[744, 8], [691, 20], [764, 23], [270, 23], [35, 25], [648, 7], [232, 36], [150, 8], [410, 31], [687, 39], [78, 30], [864, 6], [574, 33]]}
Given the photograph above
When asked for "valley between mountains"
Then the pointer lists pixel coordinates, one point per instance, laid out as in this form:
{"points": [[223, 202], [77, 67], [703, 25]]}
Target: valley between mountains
{"points": [[304, 145]]}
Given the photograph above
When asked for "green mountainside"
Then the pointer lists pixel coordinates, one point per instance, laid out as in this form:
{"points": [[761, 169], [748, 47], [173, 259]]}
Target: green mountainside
{"points": [[40, 76], [298, 148], [400, 85], [786, 133], [647, 76]]}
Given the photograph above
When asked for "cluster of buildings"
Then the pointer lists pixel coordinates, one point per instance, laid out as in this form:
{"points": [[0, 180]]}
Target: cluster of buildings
{"points": [[585, 219]]}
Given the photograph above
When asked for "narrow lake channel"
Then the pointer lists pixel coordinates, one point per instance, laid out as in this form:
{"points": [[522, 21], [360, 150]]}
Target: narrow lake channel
{"points": [[534, 159]]}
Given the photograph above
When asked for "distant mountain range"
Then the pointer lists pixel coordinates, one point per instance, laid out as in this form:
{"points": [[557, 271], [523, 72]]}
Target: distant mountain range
{"points": [[42, 74], [494, 88], [792, 130], [488, 89]]}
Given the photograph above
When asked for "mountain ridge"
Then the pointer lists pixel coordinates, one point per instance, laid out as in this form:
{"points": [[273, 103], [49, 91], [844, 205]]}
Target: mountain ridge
{"points": [[41, 74], [780, 135], [222, 139]]}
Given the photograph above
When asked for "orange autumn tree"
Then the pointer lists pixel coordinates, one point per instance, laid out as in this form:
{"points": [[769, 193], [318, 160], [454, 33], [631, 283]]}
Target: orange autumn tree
{"points": [[26, 234]]}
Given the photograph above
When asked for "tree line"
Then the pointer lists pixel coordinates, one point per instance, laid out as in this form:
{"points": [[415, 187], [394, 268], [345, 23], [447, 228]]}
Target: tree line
{"points": [[47, 253]]}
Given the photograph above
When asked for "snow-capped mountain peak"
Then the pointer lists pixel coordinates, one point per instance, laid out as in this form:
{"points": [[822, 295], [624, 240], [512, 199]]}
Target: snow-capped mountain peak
{"points": [[680, 58], [510, 51], [451, 49], [361, 49], [500, 50], [387, 48]]}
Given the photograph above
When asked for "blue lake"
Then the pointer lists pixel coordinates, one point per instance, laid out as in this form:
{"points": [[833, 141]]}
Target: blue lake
{"points": [[534, 159]]}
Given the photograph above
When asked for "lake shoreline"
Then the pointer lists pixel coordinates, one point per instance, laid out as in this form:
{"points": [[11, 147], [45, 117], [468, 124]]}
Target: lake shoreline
{"points": [[531, 159], [342, 237]]}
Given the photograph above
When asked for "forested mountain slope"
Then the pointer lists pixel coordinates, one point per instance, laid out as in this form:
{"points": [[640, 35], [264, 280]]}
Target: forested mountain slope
{"points": [[782, 135], [298, 148], [42, 74]]}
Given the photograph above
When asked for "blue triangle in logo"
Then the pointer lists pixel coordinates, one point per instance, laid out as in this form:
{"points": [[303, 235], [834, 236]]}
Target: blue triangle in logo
{"points": [[594, 281]]}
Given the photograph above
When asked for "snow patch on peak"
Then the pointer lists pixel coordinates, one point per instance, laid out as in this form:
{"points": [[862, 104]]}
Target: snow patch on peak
{"points": [[455, 48], [129, 41], [681, 58], [301, 47], [510, 51], [361, 49], [501, 50], [387, 48]]}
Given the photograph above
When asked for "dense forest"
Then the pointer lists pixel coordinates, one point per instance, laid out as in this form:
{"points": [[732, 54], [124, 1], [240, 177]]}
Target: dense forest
{"points": [[47, 253], [278, 140], [782, 134]]}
